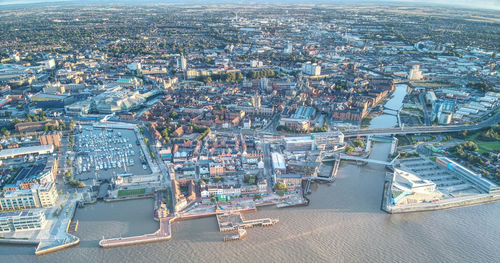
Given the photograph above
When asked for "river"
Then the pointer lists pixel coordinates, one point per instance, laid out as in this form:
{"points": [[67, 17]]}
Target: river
{"points": [[395, 102], [343, 223]]}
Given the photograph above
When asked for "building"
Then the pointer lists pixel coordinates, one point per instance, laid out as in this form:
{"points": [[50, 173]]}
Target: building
{"points": [[306, 168], [216, 169], [38, 196], [311, 69], [474, 178], [295, 124], [293, 181], [35, 126], [118, 99], [46, 194], [45, 100], [15, 152], [408, 188], [415, 73], [182, 63], [304, 113], [22, 220], [278, 163], [53, 138], [445, 117], [328, 140], [289, 48], [78, 108], [303, 143]]}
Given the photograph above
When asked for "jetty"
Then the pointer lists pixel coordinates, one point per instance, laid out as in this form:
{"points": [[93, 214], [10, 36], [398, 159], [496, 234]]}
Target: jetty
{"points": [[242, 233], [162, 234], [234, 221]]}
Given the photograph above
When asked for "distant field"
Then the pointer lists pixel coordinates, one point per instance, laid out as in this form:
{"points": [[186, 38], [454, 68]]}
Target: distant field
{"points": [[131, 192]]}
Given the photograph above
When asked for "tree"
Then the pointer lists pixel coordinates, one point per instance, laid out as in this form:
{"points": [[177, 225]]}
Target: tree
{"points": [[62, 125], [71, 125], [67, 174], [5, 132], [358, 143], [71, 142], [280, 186], [349, 149]]}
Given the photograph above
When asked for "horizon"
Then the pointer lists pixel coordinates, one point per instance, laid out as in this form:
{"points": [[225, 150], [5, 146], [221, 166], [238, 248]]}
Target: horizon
{"points": [[492, 5]]}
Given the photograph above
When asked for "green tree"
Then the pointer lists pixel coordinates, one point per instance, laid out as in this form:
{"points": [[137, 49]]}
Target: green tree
{"points": [[280, 186], [349, 149], [5, 132], [358, 143]]}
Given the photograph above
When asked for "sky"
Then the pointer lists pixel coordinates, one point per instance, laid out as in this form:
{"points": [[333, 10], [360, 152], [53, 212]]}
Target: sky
{"points": [[476, 4]]}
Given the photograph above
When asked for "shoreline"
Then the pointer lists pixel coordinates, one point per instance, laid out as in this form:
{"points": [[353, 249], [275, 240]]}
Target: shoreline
{"points": [[451, 203], [44, 246]]}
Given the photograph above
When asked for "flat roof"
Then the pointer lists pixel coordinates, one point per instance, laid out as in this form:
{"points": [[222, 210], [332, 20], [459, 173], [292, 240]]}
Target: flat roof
{"points": [[289, 176], [6, 153]]}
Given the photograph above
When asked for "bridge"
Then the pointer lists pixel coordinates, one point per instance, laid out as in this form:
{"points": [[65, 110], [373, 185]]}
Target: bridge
{"points": [[493, 120], [355, 158]]}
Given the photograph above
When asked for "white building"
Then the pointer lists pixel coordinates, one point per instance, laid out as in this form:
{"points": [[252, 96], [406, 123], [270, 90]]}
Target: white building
{"points": [[415, 73], [182, 63], [289, 48], [311, 69]]}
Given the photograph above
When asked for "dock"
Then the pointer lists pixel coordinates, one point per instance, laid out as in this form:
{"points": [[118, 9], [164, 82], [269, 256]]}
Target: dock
{"points": [[242, 233], [235, 221]]}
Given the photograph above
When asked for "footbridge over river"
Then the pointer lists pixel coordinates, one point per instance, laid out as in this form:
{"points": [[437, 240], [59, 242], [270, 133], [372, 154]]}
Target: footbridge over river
{"points": [[340, 156]]}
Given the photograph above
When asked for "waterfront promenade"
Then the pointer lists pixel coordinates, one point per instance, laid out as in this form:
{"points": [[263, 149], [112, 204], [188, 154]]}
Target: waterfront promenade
{"points": [[54, 235]]}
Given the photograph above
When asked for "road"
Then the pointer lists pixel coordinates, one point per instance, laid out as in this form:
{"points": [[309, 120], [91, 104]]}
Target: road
{"points": [[427, 120], [424, 129]]}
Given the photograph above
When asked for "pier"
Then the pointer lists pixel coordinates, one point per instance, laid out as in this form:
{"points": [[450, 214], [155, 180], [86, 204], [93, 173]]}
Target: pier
{"points": [[234, 221], [242, 233], [163, 234]]}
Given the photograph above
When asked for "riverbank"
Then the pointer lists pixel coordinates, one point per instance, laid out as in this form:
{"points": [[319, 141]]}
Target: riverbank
{"points": [[449, 203]]}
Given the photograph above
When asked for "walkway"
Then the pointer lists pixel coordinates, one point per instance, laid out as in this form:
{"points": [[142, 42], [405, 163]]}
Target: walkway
{"points": [[164, 233], [354, 158]]}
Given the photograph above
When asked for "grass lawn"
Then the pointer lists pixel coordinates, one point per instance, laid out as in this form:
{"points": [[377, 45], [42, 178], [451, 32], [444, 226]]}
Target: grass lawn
{"points": [[488, 146], [483, 145], [131, 192]]}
